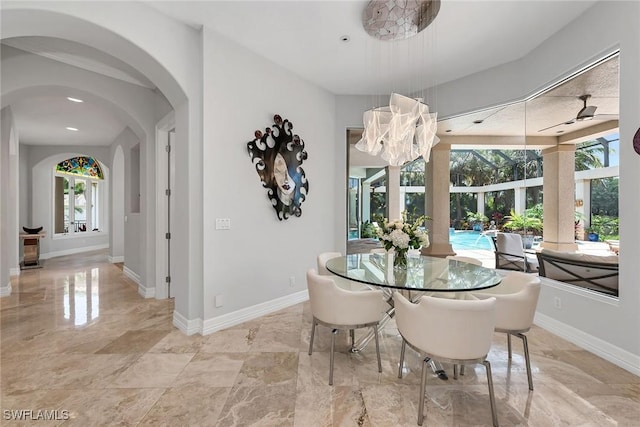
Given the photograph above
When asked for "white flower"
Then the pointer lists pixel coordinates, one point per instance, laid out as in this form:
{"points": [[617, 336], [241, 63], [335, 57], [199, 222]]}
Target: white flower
{"points": [[397, 224], [422, 237], [399, 239]]}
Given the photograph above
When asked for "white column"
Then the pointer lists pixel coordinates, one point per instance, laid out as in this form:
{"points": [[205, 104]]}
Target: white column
{"points": [[559, 202], [366, 201], [583, 202], [520, 199], [403, 199], [393, 193], [480, 207], [437, 201]]}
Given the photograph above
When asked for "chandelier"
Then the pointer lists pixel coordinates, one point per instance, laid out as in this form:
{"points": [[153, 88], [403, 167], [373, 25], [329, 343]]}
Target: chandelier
{"points": [[405, 129], [401, 132]]}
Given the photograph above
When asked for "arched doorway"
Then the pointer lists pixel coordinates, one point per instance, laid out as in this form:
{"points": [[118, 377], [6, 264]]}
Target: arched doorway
{"points": [[89, 27]]}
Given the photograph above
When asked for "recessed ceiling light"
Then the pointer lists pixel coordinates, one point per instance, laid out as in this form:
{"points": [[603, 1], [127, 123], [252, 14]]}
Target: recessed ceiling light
{"points": [[345, 39], [72, 129], [74, 99], [477, 122], [560, 131]]}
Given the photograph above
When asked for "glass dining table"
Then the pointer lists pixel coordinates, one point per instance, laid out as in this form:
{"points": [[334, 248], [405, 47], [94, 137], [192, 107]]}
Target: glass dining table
{"points": [[423, 274]]}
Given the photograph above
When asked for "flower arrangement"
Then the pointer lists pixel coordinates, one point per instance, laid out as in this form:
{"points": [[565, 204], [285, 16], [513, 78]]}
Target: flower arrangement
{"points": [[402, 236]]}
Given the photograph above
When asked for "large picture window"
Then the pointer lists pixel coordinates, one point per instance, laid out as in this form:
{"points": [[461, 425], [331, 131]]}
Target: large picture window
{"points": [[76, 195]]}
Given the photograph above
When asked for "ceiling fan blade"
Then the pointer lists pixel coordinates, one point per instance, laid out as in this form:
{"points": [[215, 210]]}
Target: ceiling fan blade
{"points": [[606, 117], [568, 122], [586, 112]]}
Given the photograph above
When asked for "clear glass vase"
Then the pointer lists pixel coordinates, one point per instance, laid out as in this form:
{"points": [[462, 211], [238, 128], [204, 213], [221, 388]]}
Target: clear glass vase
{"points": [[400, 259]]}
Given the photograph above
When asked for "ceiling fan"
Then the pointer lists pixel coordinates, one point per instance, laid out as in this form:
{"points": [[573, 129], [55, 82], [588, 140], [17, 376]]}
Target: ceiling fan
{"points": [[586, 113]]}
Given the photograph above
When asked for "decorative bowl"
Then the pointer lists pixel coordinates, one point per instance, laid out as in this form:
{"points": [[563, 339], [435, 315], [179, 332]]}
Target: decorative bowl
{"points": [[32, 230]]}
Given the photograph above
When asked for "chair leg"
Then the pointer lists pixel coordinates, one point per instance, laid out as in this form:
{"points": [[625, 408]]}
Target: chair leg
{"points": [[313, 332], [461, 369], [509, 344], [527, 359], [353, 337], [402, 348], [492, 398], [333, 341], [455, 371], [423, 386], [375, 331]]}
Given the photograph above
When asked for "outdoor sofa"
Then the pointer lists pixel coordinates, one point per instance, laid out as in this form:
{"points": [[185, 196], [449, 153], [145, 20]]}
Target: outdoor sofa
{"points": [[595, 272]]}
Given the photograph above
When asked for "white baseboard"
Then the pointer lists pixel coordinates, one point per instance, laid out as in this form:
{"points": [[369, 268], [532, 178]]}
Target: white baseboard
{"points": [[114, 259], [131, 274], [15, 271], [249, 313], [73, 251], [212, 325], [608, 351], [189, 327], [5, 291], [142, 290], [146, 292]]}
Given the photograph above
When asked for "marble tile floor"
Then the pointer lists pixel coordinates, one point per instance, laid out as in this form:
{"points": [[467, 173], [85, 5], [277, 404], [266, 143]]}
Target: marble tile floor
{"points": [[77, 338]]}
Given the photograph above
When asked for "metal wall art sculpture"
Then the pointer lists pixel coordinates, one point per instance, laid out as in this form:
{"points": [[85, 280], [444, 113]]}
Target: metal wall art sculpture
{"points": [[278, 155]]}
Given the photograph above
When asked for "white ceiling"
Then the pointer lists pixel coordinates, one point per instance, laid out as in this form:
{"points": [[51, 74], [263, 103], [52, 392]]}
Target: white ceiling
{"points": [[304, 37], [42, 120]]}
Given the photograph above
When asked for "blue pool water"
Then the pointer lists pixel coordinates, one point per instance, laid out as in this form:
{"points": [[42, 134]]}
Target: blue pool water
{"points": [[461, 240]]}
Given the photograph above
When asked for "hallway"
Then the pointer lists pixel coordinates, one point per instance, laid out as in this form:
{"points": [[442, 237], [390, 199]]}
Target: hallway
{"points": [[77, 337]]}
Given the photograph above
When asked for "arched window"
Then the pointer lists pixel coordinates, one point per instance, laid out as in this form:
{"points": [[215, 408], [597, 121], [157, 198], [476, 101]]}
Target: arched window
{"points": [[76, 195], [81, 166]]}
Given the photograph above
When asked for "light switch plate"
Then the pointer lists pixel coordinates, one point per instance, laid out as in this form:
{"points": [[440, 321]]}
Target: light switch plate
{"points": [[223, 224]]}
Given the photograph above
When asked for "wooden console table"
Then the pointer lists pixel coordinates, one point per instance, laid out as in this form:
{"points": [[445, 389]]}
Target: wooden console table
{"points": [[31, 245]]}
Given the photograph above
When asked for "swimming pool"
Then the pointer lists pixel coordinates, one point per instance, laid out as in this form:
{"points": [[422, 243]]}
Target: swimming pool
{"points": [[461, 240], [467, 239]]}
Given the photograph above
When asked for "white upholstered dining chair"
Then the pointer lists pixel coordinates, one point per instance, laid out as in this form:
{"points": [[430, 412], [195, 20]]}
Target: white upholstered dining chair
{"points": [[447, 330], [516, 302], [349, 285], [322, 259], [337, 308]]}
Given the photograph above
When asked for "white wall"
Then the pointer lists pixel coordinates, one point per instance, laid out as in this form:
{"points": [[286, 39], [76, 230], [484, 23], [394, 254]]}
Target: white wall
{"points": [[25, 180], [252, 262], [8, 200], [117, 234], [122, 200]]}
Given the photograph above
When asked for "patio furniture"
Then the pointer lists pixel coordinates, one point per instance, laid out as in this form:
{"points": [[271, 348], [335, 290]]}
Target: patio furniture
{"points": [[595, 272], [510, 253]]}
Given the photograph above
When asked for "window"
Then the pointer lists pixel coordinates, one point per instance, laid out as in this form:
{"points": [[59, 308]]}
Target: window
{"points": [[76, 195]]}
